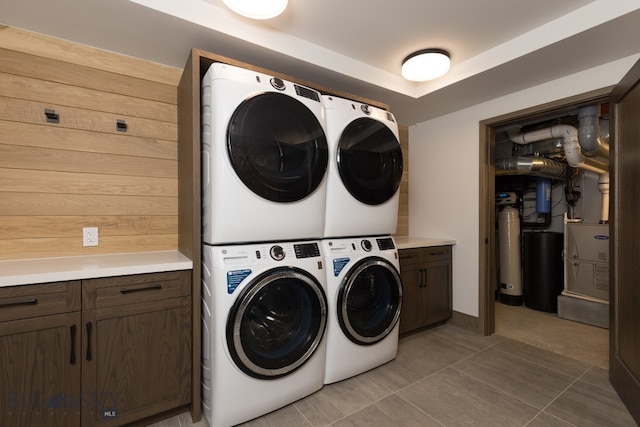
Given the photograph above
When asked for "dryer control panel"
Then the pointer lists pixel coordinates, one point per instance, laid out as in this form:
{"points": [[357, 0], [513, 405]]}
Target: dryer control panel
{"points": [[307, 250]]}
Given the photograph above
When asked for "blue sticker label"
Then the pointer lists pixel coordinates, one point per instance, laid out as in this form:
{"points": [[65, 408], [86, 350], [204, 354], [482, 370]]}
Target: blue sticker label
{"points": [[339, 264], [234, 278]]}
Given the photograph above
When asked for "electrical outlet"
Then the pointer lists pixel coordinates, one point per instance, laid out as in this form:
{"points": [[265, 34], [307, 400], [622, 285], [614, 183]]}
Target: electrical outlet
{"points": [[90, 236]]}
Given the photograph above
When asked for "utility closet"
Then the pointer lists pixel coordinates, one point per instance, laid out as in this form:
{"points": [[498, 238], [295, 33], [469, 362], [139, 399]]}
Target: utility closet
{"points": [[552, 214]]}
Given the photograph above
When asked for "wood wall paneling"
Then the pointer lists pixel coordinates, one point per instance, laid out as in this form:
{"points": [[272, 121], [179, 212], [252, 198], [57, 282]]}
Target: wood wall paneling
{"points": [[403, 205], [56, 178]]}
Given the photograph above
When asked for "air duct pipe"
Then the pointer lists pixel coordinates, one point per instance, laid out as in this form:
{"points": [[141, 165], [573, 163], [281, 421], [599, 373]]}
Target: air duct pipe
{"points": [[570, 145], [532, 165]]}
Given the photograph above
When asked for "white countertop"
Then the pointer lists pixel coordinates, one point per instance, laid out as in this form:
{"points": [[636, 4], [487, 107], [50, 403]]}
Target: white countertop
{"points": [[406, 242], [43, 270]]}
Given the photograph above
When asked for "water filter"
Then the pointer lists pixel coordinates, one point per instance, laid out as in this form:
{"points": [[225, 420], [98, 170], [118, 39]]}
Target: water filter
{"points": [[543, 195]]}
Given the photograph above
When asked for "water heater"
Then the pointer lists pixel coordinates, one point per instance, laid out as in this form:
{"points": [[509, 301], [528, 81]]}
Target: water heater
{"points": [[509, 251]]}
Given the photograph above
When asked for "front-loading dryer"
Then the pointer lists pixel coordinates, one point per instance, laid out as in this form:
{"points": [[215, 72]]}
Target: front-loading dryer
{"points": [[364, 291], [264, 315], [264, 158], [365, 169]]}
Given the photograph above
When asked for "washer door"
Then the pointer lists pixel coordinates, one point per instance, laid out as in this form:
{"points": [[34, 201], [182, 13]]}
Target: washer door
{"points": [[277, 323], [369, 161], [277, 147], [369, 301]]}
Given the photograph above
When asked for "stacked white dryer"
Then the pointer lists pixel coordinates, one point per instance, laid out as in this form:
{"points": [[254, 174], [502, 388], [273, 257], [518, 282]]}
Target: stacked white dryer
{"points": [[264, 305], [363, 281]]}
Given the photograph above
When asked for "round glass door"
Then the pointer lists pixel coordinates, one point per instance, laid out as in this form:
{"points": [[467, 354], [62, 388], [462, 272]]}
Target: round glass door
{"points": [[277, 147], [369, 301], [369, 161], [277, 323]]}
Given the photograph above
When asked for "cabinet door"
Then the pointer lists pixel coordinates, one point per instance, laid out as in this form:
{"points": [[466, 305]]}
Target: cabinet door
{"points": [[436, 293], [40, 371], [137, 361], [412, 277], [412, 309]]}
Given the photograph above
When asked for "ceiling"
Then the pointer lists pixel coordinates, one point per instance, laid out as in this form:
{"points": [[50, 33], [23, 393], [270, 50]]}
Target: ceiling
{"points": [[357, 46]]}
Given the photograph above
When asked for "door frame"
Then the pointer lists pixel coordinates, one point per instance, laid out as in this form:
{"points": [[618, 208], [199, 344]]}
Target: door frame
{"points": [[487, 246]]}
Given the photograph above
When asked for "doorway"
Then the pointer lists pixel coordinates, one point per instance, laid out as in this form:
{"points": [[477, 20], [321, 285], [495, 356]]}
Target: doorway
{"points": [[487, 190]]}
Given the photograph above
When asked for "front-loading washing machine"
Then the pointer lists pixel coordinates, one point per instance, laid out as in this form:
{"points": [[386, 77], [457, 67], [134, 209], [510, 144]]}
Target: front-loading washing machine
{"points": [[264, 158], [364, 291], [264, 315], [365, 169]]}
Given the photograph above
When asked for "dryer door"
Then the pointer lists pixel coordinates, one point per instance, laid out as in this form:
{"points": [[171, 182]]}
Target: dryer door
{"points": [[369, 301], [277, 147], [369, 161], [277, 323]]}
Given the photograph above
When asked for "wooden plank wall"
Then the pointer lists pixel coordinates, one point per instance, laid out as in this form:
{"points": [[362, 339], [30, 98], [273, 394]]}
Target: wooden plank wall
{"points": [[56, 178], [403, 208]]}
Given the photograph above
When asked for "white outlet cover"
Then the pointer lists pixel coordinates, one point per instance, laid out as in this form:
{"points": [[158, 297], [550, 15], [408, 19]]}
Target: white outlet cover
{"points": [[90, 236]]}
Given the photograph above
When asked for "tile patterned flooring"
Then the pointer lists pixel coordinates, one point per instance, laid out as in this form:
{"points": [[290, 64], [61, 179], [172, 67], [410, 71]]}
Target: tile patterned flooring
{"points": [[447, 376]]}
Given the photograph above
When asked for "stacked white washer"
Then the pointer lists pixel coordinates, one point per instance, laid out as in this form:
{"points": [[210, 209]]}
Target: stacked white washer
{"points": [[364, 288], [264, 314], [264, 164], [364, 291]]}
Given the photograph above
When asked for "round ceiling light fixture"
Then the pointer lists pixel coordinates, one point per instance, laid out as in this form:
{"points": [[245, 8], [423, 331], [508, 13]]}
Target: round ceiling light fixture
{"points": [[426, 64], [257, 9]]}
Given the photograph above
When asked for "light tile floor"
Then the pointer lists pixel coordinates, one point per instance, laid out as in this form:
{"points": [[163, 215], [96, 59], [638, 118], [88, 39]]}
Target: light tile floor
{"points": [[447, 376]]}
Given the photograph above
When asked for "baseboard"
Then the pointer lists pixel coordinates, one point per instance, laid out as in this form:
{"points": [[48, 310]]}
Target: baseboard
{"points": [[465, 321]]}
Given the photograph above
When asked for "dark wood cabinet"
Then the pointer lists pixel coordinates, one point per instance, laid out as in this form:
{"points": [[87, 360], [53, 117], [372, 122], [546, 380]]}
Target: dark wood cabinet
{"points": [[137, 358], [107, 352], [426, 284], [40, 355]]}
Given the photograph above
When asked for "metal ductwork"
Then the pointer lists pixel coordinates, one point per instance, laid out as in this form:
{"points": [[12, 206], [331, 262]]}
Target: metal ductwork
{"points": [[532, 165]]}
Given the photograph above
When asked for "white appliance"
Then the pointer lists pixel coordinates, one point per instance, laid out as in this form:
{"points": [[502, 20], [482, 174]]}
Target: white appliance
{"points": [[364, 291], [264, 315], [586, 261], [264, 158], [365, 169]]}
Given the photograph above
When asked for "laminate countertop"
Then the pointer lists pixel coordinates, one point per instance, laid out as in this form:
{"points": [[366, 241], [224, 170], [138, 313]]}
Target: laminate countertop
{"points": [[44, 270], [407, 242]]}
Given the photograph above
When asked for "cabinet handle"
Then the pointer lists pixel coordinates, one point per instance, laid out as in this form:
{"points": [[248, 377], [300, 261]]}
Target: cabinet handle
{"points": [[32, 301], [406, 256], [423, 273], [437, 253], [424, 282], [147, 288], [89, 327], [72, 358]]}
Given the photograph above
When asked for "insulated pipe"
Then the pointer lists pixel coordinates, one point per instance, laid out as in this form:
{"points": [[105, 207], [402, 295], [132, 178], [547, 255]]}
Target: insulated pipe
{"points": [[570, 145], [532, 165]]}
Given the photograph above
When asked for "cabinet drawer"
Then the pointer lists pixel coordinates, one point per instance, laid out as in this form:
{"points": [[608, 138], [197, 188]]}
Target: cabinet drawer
{"points": [[409, 256], [435, 253], [21, 302], [134, 289]]}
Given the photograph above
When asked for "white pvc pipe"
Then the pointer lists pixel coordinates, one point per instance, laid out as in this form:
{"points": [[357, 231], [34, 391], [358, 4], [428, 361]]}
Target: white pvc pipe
{"points": [[603, 186], [570, 144]]}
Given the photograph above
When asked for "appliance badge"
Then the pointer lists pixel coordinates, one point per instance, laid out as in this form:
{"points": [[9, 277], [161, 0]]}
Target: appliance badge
{"points": [[234, 278], [338, 265]]}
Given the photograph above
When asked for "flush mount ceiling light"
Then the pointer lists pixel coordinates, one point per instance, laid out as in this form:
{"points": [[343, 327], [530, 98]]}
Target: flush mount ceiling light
{"points": [[257, 9], [426, 64]]}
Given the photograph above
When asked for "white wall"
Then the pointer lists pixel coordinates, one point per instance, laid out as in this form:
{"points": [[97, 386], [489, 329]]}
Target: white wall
{"points": [[443, 179]]}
